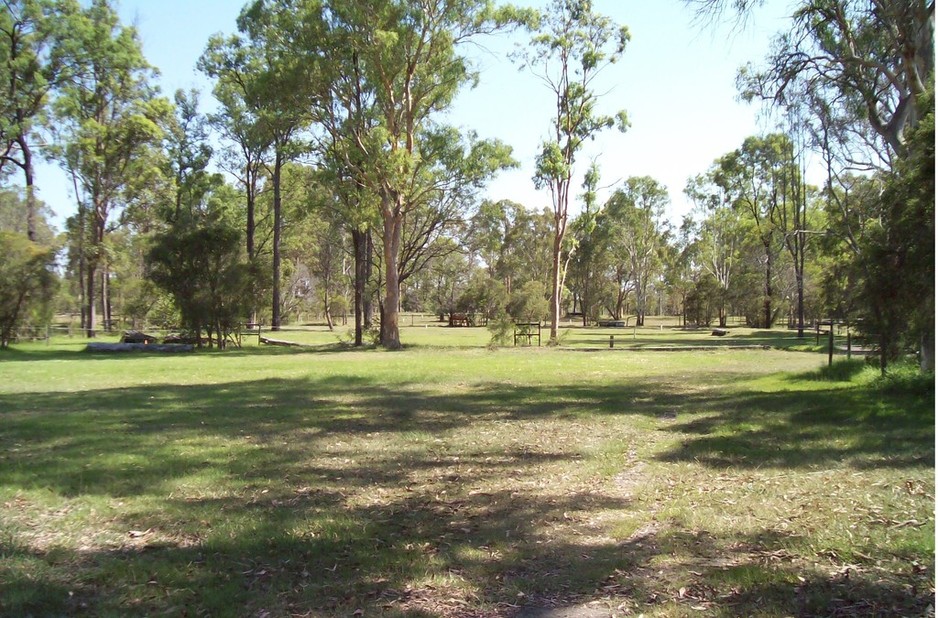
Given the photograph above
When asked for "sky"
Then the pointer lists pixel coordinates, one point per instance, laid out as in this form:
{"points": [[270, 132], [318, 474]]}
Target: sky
{"points": [[676, 81]]}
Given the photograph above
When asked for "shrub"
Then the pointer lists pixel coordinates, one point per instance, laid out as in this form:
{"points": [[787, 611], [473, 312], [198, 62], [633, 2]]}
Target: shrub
{"points": [[27, 282]]}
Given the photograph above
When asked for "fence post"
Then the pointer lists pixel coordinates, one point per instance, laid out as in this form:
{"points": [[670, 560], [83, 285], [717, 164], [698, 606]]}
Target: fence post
{"points": [[611, 341], [830, 345]]}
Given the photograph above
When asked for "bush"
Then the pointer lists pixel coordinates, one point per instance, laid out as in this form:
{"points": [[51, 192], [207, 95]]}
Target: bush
{"points": [[27, 282], [200, 263], [529, 304], [502, 328]]}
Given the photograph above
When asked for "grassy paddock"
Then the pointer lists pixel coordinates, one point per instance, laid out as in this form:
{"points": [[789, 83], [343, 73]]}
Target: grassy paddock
{"points": [[462, 482], [657, 334]]}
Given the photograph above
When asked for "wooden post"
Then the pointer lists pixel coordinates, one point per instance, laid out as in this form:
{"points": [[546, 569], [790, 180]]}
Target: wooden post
{"points": [[830, 345], [849, 343], [611, 341]]}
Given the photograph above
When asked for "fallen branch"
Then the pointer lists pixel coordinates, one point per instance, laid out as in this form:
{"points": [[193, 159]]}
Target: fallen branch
{"points": [[97, 346], [292, 344]]}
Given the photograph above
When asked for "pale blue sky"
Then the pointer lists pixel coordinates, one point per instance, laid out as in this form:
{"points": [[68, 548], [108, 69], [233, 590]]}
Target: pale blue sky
{"points": [[676, 81]]}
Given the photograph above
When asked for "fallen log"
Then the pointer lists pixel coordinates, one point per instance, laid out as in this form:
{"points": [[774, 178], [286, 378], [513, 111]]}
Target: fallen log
{"points": [[98, 346], [292, 344]]}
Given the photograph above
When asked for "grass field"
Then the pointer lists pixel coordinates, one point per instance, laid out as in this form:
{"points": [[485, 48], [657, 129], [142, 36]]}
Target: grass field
{"points": [[421, 331], [452, 480]]}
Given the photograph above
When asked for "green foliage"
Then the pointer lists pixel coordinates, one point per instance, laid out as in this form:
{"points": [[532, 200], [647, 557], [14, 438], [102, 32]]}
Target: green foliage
{"points": [[501, 327], [13, 216], [483, 296], [27, 282], [529, 303], [903, 247], [869, 62], [572, 45], [200, 262], [109, 122], [188, 155], [31, 66]]}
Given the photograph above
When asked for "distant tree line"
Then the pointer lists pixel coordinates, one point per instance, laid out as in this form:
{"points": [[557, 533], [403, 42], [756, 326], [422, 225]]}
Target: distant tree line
{"points": [[327, 183]]}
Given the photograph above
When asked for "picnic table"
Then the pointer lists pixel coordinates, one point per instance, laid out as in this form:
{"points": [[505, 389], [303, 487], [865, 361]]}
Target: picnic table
{"points": [[527, 331]]}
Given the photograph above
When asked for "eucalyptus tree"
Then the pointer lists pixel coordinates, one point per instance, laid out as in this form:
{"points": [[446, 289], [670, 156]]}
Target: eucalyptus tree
{"points": [[314, 243], [31, 67], [233, 64], [109, 121], [456, 169], [864, 66], [345, 115], [755, 178], [407, 57], [633, 226], [718, 234], [877, 55], [585, 256], [280, 95], [188, 156], [571, 48], [492, 235]]}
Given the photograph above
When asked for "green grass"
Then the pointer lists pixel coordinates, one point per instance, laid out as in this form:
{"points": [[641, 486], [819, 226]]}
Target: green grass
{"points": [[455, 481], [658, 334]]}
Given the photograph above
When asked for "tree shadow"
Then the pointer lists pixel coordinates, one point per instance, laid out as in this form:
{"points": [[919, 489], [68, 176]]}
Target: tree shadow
{"points": [[861, 428], [340, 493]]}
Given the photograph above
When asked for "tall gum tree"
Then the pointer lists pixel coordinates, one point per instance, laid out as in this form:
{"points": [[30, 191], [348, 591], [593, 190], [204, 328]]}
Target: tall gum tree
{"points": [[755, 178], [408, 55], [31, 66], [108, 118], [636, 215], [279, 92], [232, 64], [718, 234], [866, 64], [571, 48]]}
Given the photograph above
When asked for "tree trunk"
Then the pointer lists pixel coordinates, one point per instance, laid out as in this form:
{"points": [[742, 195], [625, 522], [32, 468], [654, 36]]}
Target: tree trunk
{"points": [[90, 298], [584, 301], [81, 263], [393, 225], [767, 302], [105, 298], [641, 299], [555, 290], [927, 360], [278, 224], [800, 281], [325, 306], [30, 188], [98, 224], [358, 247], [251, 191], [368, 307]]}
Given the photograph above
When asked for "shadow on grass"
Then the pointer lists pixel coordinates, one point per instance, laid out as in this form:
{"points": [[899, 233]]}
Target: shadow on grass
{"points": [[861, 428], [129, 439], [61, 352], [300, 516]]}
